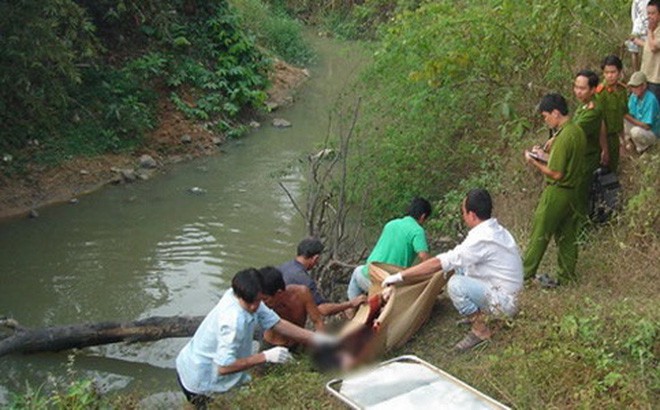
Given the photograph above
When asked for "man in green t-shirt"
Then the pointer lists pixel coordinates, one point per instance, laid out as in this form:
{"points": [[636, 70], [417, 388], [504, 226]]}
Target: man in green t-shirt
{"points": [[556, 214], [612, 96], [402, 240]]}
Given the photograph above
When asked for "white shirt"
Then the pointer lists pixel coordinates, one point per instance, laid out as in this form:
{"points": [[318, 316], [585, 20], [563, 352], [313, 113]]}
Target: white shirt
{"points": [[489, 253], [224, 336], [639, 17]]}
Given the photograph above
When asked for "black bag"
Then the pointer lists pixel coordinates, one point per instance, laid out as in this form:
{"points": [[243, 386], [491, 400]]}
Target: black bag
{"points": [[603, 195]]}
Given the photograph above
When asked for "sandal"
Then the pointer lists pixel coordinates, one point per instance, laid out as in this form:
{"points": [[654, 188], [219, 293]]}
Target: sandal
{"points": [[468, 342]]}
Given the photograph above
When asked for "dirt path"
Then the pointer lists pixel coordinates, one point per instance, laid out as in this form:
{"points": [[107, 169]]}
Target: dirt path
{"points": [[20, 197]]}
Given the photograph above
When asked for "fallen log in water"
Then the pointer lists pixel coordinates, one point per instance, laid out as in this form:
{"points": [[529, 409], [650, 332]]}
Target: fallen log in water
{"points": [[53, 339]]}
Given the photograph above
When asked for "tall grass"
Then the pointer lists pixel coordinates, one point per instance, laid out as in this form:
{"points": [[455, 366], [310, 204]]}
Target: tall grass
{"points": [[275, 30]]}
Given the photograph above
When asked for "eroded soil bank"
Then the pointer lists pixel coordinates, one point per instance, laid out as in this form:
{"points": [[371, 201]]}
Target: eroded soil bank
{"points": [[166, 144]]}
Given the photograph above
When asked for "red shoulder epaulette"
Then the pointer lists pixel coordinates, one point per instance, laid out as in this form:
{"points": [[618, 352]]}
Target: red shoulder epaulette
{"points": [[600, 88]]}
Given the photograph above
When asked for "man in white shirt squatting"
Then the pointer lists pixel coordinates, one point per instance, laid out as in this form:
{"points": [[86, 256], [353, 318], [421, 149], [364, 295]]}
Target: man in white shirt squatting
{"points": [[489, 272], [215, 359]]}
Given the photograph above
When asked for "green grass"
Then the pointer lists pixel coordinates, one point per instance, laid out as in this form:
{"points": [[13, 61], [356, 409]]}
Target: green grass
{"points": [[592, 344]]}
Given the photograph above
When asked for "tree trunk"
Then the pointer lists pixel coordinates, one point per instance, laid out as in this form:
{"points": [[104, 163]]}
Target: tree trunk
{"points": [[54, 339]]}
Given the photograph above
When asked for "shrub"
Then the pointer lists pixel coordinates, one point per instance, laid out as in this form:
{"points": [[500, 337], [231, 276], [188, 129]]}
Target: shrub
{"points": [[447, 75], [84, 78], [275, 30]]}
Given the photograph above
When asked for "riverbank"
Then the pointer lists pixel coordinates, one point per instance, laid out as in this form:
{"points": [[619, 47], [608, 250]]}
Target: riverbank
{"points": [[175, 139]]}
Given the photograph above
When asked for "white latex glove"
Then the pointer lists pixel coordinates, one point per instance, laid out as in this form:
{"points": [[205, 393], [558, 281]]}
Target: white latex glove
{"points": [[324, 339], [392, 279], [277, 354]]}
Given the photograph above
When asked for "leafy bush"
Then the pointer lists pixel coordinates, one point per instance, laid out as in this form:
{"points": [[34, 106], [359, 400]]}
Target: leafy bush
{"points": [[83, 78], [43, 45], [274, 30], [219, 66], [446, 75]]}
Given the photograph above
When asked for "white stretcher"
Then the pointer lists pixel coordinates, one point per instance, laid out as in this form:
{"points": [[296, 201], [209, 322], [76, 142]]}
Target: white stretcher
{"points": [[407, 382]]}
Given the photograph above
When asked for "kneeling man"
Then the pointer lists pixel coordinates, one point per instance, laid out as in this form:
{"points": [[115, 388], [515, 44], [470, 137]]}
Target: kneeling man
{"points": [[642, 123], [489, 272], [215, 359], [294, 303]]}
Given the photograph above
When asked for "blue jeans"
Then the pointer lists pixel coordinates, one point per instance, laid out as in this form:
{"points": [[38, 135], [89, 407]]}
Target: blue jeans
{"points": [[359, 284], [468, 294]]}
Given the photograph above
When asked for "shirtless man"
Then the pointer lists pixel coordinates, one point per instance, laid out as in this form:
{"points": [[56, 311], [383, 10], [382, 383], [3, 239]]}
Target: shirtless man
{"points": [[292, 302]]}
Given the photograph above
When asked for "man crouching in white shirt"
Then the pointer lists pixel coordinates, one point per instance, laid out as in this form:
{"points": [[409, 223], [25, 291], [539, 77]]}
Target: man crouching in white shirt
{"points": [[488, 269], [215, 360]]}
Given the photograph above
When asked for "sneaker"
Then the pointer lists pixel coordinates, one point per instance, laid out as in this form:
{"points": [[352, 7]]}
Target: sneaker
{"points": [[546, 282]]}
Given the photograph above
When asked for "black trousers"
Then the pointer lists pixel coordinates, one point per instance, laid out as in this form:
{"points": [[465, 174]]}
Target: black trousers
{"points": [[200, 401]]}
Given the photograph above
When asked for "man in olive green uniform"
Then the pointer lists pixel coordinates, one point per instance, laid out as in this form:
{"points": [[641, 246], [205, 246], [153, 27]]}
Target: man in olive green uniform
{"points": [[555, 214], [612, 95], [589, 116]]}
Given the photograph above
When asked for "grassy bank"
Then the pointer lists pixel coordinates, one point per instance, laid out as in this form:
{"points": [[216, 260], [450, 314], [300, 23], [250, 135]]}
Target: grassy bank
{"points": [[592, 344]]}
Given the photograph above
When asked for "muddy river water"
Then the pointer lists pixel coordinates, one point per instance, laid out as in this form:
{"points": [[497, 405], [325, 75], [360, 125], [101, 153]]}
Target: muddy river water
{"points": [[154, 248]]}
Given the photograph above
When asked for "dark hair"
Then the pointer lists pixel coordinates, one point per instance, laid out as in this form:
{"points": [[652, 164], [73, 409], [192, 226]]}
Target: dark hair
{"points": [[612, 60], [655, 3], [478, 201], [553, 101], [272, 280], [309, 247], [592, 78], [418, 207], [247, 284]]}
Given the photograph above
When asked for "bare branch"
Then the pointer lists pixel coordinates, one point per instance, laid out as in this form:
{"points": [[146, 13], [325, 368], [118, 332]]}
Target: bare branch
{"points": [[292, 199]]}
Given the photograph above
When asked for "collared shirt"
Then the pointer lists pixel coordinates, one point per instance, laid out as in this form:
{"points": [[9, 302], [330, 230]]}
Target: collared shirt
{"points": [[224, 336], [614, 100], [646, 110], [589, 117], [489, 253], [294, 273], [567, 156], [399, 243], [651, 60]]}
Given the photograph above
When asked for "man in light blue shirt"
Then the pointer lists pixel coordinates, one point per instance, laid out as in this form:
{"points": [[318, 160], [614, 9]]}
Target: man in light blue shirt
{"points": [[642, 123], [215, 359]]}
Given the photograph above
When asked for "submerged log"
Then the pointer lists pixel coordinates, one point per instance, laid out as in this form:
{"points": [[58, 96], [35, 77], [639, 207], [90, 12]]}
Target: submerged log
{"points": [[53, 339]]}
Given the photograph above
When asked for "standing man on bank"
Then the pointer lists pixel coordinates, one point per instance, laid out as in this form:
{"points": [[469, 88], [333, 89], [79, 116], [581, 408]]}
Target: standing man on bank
{"points": [[401, 242], [556, 214], [651, 48], [613, 98], [295, 272], [589, 117], [489, 269]]}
